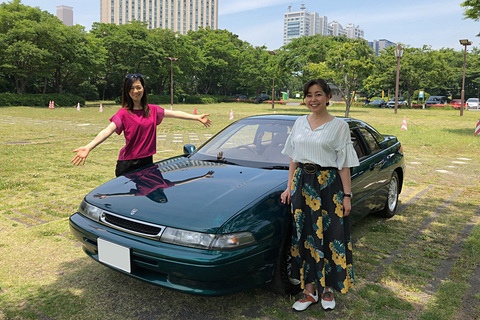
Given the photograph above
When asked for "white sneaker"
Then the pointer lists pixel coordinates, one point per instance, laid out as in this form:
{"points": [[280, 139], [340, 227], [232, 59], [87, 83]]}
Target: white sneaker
{"points": [[328, 300], [305, 301]]}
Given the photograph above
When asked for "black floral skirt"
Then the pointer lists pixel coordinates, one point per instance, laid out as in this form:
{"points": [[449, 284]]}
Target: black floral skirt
{"points": [[321, 243]]}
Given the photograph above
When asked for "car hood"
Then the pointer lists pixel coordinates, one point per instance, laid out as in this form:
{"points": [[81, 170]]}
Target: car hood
{"points": [[187, 194]]}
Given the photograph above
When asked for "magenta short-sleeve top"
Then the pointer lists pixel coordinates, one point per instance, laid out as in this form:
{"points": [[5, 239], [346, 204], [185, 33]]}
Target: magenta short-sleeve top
{"points": [[140, 132]]}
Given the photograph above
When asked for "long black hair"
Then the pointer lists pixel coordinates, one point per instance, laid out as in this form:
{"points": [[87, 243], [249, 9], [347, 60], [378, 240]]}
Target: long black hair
{"points": [[127, 101]]}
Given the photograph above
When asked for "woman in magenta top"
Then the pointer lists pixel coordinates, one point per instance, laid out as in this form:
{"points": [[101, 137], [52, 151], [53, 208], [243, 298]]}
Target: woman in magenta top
{"points": [[138, 121]]}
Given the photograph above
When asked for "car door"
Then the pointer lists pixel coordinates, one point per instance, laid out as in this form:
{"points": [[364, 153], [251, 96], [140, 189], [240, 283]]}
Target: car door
{"points": [[369, 180]]}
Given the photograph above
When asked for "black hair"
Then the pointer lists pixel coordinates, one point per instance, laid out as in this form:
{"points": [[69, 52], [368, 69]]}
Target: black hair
{"points": [[127, 101], [322, 83]]}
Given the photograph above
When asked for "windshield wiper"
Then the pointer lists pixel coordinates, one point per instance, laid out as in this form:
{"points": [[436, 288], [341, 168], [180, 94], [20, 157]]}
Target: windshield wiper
{"points": [[285, 167], [221, 161]]}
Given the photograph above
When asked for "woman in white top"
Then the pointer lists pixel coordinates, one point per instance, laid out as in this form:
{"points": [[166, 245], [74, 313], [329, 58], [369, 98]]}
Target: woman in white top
{"points": [[319, 191]]}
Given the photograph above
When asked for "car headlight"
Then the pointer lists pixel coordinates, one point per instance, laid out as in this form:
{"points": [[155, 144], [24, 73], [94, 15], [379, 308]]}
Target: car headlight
{"points": [[90, 211], [207, 241]]}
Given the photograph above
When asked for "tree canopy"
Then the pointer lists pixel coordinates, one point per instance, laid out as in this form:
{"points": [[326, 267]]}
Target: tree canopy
{"points": [[39, 54]]}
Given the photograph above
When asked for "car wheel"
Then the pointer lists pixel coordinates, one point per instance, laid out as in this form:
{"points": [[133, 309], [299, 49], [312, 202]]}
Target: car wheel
{"points": [[280, 283], [392, 199]]}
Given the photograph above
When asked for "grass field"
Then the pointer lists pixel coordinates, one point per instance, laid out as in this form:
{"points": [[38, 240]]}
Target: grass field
{"points": [[421, 264]]}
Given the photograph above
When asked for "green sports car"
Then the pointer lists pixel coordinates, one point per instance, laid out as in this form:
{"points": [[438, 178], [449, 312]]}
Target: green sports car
{"points": [[210, 221]]}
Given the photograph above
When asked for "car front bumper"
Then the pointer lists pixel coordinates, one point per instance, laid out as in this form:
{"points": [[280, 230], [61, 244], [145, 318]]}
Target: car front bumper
{"points": [[191, 270]]}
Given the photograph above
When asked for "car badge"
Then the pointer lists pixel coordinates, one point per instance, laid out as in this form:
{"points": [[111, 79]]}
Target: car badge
{"points": [[133, 211]]}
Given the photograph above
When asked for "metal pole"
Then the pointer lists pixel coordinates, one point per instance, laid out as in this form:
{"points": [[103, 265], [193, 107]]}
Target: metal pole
{"points": [[398, 54], [273, 94], [462, 98], [171, 78]]}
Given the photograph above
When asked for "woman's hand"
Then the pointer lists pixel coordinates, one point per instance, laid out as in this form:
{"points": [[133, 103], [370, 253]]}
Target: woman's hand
{"points": [[285, 196], [81, 156], [347, 206], [203, 119]]}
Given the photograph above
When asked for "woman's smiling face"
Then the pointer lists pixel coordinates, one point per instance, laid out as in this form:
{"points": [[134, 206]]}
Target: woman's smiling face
{"points": [[316, 99], [136, 91]]}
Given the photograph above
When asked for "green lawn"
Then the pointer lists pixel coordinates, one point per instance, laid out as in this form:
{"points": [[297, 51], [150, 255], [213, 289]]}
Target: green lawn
{"points": [[421, 264]]}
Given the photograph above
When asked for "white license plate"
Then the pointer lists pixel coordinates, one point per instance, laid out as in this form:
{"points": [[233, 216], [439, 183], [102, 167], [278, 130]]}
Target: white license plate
{"points": [[114, 255]]}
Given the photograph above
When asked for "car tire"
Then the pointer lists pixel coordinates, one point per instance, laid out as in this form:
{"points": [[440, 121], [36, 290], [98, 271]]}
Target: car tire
{"points": [[392, 198], [280, 283]]}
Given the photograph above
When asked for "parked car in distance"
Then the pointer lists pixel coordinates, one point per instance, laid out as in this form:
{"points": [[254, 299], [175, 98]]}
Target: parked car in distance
{"points": [[472, 103], [401, 102], [434, 100], [210, 221], [262, 97], [378, 102], [456, 103]]}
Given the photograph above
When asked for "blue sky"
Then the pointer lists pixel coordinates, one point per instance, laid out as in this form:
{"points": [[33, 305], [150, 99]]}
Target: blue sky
{"points": [[437, 23]]}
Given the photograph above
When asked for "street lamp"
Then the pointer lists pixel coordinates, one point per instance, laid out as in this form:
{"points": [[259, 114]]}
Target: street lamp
{"points": [[398, 55], [464, 42], [273, 86], [171, 78]]}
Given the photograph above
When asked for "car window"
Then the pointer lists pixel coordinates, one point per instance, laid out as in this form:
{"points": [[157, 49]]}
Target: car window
{"points": [[252, 141], [357, 144], [370, 140]]}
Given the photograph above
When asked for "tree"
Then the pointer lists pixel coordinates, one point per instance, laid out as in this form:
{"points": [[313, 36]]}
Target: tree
{"points": [[472, 9], [347, 63], [22, 51]]}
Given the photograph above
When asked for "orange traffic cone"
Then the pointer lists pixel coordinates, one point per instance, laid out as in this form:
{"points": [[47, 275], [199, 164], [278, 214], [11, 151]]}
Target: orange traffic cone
{"points": [[477, 130], [78, 106], [51, 105], [195, 111], [101, 108], [231, 114], [404, 124]]}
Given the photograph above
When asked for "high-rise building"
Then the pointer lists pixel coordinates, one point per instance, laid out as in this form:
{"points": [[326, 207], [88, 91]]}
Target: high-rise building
{"points": [[65, 14], [302, 23], [379, 45], [177, 15]]}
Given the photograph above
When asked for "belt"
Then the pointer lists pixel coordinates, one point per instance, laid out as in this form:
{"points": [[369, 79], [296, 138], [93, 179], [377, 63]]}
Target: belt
{"points": [[311, 168]]}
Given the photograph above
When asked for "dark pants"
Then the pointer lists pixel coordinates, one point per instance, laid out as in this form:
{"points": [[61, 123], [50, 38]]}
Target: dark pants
{"points": [[125, 166]]}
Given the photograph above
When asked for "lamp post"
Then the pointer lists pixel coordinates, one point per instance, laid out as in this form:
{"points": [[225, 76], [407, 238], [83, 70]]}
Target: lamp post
{"points": [[464, 42], [273, 85], [398, 55], [171, 78]]}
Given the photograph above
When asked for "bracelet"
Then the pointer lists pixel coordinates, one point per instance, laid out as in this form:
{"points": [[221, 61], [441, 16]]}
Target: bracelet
{"points": [[348, 195]]}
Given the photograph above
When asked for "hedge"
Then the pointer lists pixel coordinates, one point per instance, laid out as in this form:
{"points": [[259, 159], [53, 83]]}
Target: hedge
{"points": [[40, 100], [188, 99]]}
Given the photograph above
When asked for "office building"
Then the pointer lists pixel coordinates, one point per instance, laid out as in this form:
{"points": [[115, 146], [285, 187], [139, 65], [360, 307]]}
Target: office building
{"points": [[302, 23], [65, 14], [379, 45], [177, 15]]}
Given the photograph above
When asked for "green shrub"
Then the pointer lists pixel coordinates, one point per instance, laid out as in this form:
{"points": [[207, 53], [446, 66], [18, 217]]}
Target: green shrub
{"points": [[40, 100]]}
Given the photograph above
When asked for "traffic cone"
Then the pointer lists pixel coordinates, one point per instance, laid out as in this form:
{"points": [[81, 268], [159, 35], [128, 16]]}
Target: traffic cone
{"points": [[51, 105], [231, 114], [404, 124], [78, 106], [195, 111], [477, 130], [101, 108]]}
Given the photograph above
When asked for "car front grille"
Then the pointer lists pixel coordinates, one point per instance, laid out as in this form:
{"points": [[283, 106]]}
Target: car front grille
{"points": [[137, 227]]}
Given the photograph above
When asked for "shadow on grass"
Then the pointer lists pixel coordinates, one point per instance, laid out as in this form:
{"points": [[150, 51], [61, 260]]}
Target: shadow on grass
{"points": [[462, 132]]}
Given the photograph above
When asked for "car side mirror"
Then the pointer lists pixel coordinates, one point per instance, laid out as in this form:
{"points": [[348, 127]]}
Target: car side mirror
{"points": [[188, 149]]}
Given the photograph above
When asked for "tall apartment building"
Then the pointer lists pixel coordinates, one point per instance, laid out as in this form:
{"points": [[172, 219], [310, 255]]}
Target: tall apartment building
{"points": [[177, 15], [302, 23], [379, 45], [65, 14]]}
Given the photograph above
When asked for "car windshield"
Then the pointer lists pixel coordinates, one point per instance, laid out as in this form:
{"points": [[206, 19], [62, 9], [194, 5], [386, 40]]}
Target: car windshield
{"points": [[473, 100], [249, 142]]}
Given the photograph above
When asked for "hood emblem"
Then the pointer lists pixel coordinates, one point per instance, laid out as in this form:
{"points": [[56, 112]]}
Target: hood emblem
{"points": [[133, 211]]}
